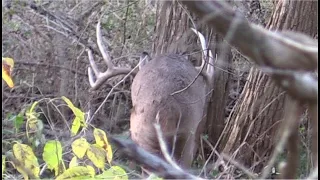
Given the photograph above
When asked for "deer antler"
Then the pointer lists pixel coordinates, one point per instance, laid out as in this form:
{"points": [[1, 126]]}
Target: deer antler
{"points": [[112, 70], [207, 56]]}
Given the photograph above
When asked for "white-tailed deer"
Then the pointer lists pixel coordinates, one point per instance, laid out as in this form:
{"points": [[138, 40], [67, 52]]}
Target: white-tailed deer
{"points": [[155, 99]]}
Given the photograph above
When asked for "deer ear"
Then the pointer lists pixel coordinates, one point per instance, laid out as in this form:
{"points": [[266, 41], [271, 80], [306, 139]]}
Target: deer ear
{"points": [[144, 59]]}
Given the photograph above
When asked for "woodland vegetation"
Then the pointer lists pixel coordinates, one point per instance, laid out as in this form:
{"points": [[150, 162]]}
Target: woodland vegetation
{"points": [[261, 119]]}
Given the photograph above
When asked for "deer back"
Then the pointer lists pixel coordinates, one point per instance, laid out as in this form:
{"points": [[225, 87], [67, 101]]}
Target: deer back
{"points": [[178, 114]]}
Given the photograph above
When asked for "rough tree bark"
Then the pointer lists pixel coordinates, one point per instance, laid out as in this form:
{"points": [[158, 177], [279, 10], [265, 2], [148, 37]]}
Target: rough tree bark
{"points": [[250, 134], [173, 35]]}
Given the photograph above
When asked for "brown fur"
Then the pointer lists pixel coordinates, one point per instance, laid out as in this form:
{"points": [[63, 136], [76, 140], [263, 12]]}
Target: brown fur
{"points": [[151, 95]]}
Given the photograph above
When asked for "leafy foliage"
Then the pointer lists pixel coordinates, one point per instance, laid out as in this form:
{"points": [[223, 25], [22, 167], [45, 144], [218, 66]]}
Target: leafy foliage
{"points": [[28, 161], [78, 172], [52, 155], [7, 66], [34, 125], [3, 164], [79, 120], [73, 162], [97, 155], [115, 172], [102, 141], [80, 147]]}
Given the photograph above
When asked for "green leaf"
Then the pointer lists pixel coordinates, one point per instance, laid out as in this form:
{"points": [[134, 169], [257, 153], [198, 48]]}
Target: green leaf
{"points": [[115, 172], [18, 121], [76, 124], [52, 155]]}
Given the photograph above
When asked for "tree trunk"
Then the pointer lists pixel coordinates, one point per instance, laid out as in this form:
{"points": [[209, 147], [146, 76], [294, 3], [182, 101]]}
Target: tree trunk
{"points": [[251, 129], [173, 35]]}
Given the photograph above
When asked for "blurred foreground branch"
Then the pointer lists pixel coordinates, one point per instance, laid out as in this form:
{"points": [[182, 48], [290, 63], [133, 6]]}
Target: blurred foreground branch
{"points": [[285, 50], [152, 162], [291, 58]]}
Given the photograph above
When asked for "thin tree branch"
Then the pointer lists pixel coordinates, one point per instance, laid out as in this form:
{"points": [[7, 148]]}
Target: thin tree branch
{"points": [[49, 65], [291, 122], [279, 50], [152, 162]]}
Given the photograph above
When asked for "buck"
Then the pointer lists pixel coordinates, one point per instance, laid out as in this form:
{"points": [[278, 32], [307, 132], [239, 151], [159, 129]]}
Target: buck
{"points": [[166, 90]]}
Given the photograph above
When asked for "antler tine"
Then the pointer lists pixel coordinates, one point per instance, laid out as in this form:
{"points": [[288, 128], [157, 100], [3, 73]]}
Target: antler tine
{"points": [[210, 67], [105, 55], [206, 54], [112, 71], [94, 69], [203, 46]]}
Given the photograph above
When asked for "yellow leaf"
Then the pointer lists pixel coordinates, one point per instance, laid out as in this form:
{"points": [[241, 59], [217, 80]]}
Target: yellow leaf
{"points": [[76, 124], [33, 106], [102, 141], [32, 125], [97, 155], [21, 169], [91, 169], [8, 61], [73, 162], [77, 172], [109, 153], [32, 122], [100, 137], [79, 120], [52, 155], [79, 147], [115, 172], [6, 77], [28, 160], [3, 163], [7, 66]]}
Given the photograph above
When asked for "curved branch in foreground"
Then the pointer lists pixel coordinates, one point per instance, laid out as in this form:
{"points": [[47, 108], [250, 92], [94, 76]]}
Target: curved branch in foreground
{"points": [[278, 50], [152, 162]]}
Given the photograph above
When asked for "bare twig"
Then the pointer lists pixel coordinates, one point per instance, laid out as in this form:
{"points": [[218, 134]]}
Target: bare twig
{"points": [[69, 31], [207, 59], [290, 169], [49, 65], [111, 91], [124, 28], [164, 148], [90, 10], [291, 122], [285, 51], [152, 162], [240, 166]]}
